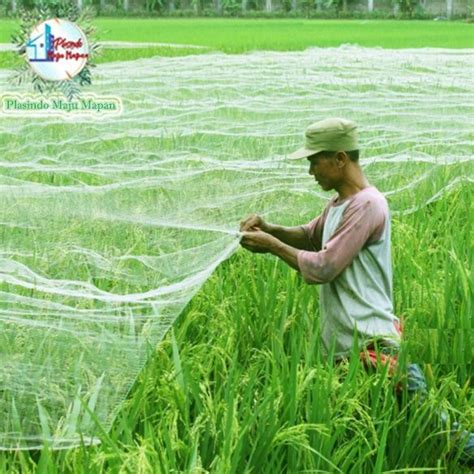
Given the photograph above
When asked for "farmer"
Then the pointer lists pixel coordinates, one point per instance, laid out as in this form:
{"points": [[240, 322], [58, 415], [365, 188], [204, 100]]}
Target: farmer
{"points": [[345, 250]]}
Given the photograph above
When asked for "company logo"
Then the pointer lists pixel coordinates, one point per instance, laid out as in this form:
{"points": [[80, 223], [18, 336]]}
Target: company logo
{"points": [[57, 50], [58, 57]]}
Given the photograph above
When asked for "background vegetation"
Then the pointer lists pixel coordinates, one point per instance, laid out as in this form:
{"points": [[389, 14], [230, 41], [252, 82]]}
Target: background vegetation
{"points": [[420, 9], [242, 35]]}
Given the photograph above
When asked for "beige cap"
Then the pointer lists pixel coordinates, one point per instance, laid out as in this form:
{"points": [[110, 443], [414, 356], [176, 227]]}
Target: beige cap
{"points": [[332, 134]]}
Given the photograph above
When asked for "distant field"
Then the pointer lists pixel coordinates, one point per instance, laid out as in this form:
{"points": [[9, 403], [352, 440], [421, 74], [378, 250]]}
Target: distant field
{"points": [[239, 35]]}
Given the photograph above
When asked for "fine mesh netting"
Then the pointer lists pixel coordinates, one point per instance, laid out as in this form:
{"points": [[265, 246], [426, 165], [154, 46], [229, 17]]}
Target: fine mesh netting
{"points": [[110, 227]]}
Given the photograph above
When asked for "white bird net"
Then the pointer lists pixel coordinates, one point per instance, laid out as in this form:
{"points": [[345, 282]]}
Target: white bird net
{"points": [[110, 227]]}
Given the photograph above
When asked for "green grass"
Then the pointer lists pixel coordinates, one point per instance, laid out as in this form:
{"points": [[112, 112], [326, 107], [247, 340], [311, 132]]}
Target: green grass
{"points": [[287, 35], [239, 35], [237, 386], [10, 60]]}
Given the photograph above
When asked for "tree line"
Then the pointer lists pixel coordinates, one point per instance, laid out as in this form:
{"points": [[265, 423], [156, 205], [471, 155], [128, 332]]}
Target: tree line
{"points": [[282, 8]]}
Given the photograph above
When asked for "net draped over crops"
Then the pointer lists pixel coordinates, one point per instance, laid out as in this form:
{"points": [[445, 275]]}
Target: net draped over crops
{"points": [[110, 227]]}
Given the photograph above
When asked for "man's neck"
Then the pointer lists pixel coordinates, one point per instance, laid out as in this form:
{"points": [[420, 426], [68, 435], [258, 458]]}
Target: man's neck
{"points": [[350, 187]]}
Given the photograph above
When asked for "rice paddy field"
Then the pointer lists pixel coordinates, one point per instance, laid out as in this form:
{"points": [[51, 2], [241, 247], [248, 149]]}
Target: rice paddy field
{"points": [[136, 335]]}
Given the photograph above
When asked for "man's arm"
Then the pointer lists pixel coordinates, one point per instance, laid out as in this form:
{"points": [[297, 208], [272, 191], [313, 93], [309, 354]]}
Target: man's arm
{"points": [[362, 222], [297, 237], [303, 237], [258, 241], [287, 253], [291, 236]]}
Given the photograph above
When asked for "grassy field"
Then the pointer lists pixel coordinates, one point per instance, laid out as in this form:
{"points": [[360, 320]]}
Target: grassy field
{"points": [[238, 36], [237, 386]]}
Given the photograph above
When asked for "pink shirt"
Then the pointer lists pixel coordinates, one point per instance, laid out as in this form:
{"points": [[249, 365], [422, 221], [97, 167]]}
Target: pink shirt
{"points": [[362, 223], [349, 257]]}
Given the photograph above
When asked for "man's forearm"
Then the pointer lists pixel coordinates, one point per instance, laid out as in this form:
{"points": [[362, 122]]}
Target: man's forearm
{"points": [[287, 253], [292, 236]]}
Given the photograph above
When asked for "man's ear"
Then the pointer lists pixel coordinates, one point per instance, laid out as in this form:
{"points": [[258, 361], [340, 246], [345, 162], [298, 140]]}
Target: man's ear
{"points": [[341, 159]]}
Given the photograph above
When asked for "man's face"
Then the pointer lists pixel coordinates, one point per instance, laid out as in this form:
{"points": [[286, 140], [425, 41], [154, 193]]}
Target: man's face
{"points": [[323, 166]]}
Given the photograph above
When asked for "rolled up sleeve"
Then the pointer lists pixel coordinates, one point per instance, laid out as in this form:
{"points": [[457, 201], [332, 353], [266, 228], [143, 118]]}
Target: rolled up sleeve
{"points": [[360, 222], [314, 231]]}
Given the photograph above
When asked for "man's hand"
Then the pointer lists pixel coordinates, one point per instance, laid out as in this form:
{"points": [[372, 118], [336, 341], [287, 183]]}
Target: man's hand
{"points": [[258, 242], [254, 223]]}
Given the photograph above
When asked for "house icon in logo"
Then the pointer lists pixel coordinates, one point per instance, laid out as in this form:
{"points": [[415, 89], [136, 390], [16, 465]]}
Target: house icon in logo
{"points": [[41, 46], [57, 50]]}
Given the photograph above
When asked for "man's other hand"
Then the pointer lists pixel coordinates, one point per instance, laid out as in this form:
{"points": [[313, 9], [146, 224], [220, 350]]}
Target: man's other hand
{"points": [[254, 222], [257, 241]]}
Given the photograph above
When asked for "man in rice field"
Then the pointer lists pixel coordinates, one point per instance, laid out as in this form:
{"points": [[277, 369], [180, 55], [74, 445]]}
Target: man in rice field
{"points": [[346, 250]]}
